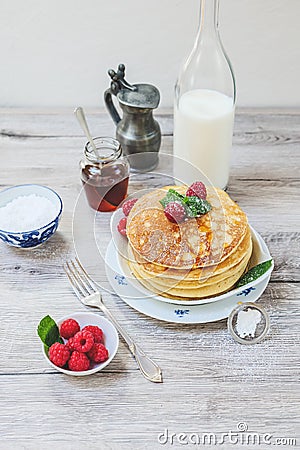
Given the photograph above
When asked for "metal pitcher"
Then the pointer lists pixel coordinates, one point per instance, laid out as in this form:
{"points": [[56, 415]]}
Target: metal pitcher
{"points": [[137, 131]]}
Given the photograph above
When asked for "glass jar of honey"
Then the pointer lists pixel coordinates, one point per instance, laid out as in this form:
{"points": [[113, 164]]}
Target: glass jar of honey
{"points": [[104, 174]]}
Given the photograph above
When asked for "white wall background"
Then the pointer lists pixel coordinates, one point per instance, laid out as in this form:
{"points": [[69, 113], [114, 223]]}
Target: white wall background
{"points": [[57, 52]]}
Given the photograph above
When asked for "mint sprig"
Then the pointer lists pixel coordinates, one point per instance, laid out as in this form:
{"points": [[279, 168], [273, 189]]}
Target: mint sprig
{"points": [[172, 196], [48, 332], [194, 206]]}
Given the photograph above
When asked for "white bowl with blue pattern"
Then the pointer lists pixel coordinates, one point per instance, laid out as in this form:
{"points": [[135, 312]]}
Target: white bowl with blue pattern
{"points": [[31, 238]]}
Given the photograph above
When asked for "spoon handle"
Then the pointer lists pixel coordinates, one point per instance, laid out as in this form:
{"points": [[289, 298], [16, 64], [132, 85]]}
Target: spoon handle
{"points": [[79, 113]]}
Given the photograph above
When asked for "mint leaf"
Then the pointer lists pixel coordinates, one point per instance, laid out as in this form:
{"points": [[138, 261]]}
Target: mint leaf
{"points": [[254, 273], [171, 196], [48, 331], [196, 206], [46, 348], [44, 326]]}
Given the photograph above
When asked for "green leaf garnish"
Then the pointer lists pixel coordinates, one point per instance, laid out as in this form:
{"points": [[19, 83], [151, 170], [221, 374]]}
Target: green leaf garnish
{"points": [[46, 348], [48, 332], [195, 206], [171, 196], [254, 273]]}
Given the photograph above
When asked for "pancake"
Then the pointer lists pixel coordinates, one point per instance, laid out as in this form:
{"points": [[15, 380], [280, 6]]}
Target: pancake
{"points": [[194, 243], [199, 274], [205, 291], [185, 283]]}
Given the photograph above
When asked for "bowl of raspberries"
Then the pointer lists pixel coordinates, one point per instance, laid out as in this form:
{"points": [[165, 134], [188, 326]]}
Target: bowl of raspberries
{"points": [[80, 344]]}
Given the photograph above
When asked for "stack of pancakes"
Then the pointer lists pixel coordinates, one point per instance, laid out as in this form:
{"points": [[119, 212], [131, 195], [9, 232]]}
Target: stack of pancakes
{"points": [[195, 259]]}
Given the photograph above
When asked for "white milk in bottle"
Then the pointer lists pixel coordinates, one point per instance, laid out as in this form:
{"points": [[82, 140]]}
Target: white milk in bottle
{"points": [[203, 126], [205, 95]]}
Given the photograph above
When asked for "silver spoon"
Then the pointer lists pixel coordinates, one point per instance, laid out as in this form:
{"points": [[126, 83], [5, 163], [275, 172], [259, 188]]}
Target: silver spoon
{"points": [[79, 113]]}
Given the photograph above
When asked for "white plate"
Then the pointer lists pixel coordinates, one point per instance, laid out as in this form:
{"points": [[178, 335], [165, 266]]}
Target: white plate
{"points": [[183, 312]]}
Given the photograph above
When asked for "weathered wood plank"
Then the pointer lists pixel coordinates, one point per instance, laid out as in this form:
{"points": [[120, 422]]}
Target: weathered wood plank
{"points": [[46, 263], [67, 411], [251, 126], [261, 162], [34, 124]]}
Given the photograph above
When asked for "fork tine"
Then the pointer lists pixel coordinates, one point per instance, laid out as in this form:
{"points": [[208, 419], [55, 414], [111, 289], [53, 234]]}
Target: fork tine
{"points": [[78, 291], [80, 279], [77, 280], [88, 279]]}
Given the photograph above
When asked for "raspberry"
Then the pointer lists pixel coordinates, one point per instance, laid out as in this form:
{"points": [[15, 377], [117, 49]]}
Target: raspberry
{"points": [[70, 344], [96, 332], [59, 354], [98, 353], [127, 206], [175, 212], [122, 226], [83, 341], [197, 189], [68, 328], [78, 362]]}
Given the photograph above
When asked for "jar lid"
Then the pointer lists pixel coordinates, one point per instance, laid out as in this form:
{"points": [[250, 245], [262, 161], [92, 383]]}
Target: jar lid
{"points": [[143, 96], [248, 323]]}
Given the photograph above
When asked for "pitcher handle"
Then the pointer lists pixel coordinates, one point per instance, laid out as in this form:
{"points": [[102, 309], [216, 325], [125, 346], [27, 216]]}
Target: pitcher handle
{"points": [[111, 107]]}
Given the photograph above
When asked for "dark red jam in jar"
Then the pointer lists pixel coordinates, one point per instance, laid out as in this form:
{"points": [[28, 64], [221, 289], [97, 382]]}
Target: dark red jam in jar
{"points": [[104, 174]]}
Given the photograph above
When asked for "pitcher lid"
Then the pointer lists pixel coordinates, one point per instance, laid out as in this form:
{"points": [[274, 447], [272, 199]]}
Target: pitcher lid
{"points": [[144, 96], [140, 95]]}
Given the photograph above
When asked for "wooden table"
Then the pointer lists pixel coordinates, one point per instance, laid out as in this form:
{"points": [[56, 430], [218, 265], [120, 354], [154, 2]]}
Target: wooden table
{"points": [[211, 384]]}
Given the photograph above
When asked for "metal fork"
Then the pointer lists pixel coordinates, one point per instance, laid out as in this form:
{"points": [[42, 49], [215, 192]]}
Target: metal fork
{"points": [[89, 295]]}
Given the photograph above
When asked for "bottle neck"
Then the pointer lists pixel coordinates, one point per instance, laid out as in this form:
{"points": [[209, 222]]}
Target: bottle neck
{"points": [[209, 18]]}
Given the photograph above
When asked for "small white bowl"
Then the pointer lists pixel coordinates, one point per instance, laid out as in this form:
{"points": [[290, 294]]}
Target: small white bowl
{"points": [[111, 340], [31, 238]]}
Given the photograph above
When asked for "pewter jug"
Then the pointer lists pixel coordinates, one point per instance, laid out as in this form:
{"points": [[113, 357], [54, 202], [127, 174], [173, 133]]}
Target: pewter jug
{"points": [[137, 131]]}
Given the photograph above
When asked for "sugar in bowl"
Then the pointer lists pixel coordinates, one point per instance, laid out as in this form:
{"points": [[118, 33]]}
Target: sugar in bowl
{"points": [[104, 174]]}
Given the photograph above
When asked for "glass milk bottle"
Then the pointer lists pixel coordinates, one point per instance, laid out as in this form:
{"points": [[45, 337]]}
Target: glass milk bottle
{"points": [[204, 104]]}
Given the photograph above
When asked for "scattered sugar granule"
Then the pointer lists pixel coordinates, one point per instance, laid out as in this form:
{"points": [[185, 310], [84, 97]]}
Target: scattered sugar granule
{"points": [[27, 213], [247, 322]]}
